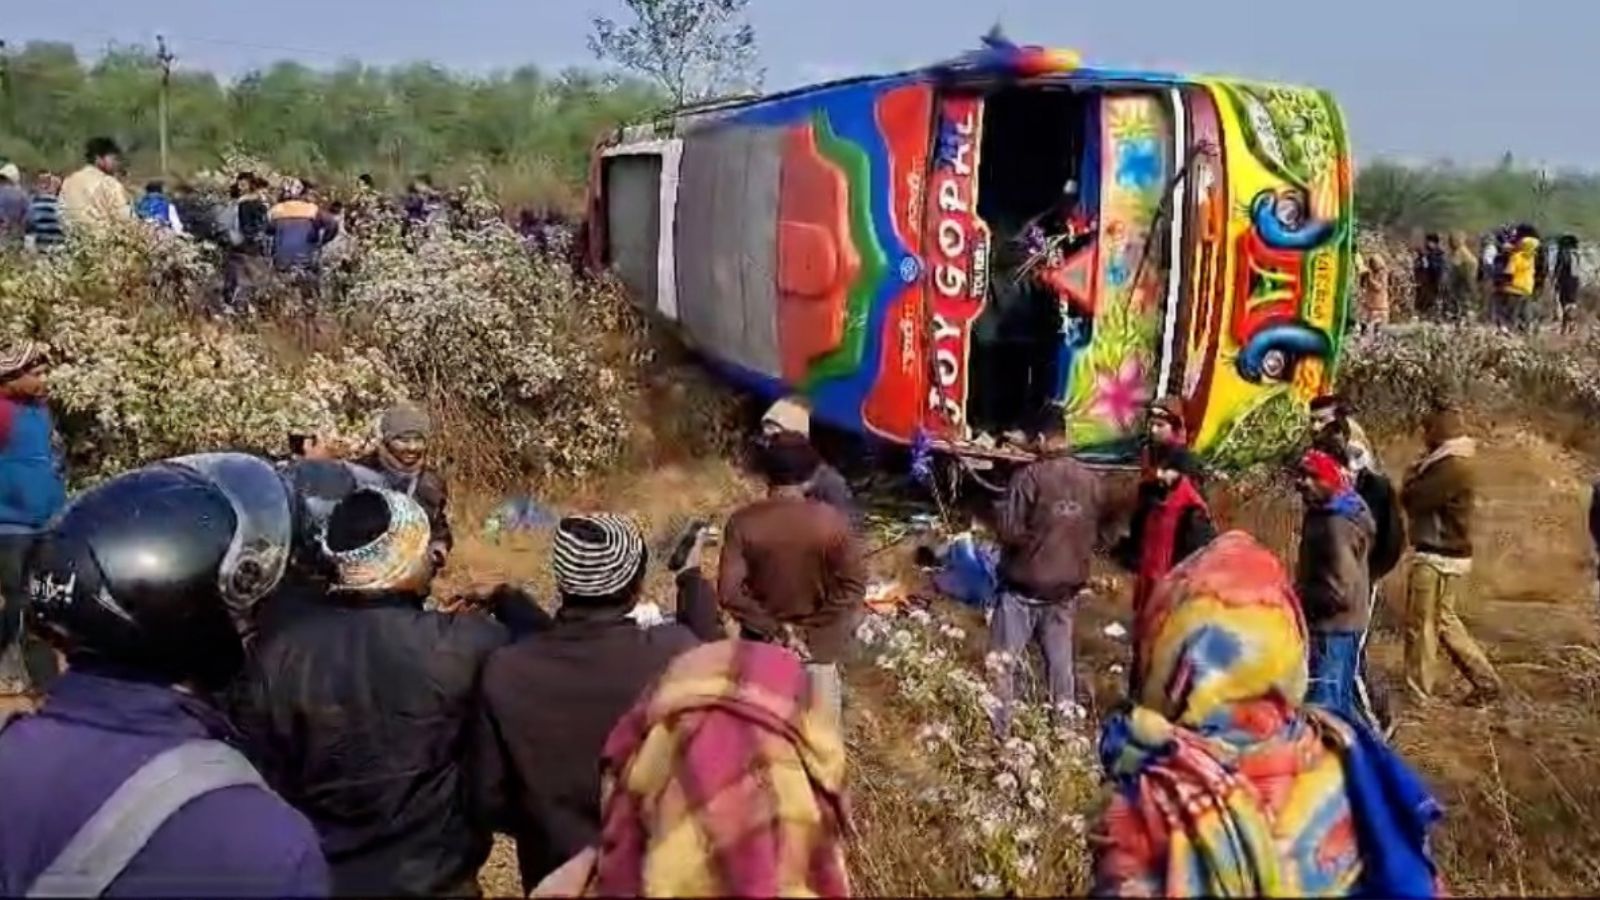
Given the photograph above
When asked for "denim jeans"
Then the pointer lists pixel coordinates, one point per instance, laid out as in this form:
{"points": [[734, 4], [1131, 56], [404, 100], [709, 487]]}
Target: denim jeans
{"points": [[38, 659], [1017, 622], [1335, 671]]}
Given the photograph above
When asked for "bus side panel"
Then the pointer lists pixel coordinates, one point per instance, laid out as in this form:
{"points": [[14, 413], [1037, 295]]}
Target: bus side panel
{"points": [[726, 251], [1206, 295], [1114, 377], [893, 408], [1290, 252], [632, 192], [841, 261], [957, 247]]}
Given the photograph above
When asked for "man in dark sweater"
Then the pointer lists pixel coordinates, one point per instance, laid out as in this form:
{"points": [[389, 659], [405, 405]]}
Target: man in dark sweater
{"points": [[1333, 580], [791, 569], [550, 700], [1048, 525]]}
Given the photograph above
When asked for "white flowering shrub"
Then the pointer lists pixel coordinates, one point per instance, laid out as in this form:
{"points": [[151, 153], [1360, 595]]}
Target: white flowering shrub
{"points": [[534, 368], [136, 381], [1395, 375], [1018, 804]]}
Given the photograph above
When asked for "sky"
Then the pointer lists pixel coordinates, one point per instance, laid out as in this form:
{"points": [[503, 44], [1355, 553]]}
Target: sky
{"points": [[1421, 80]]}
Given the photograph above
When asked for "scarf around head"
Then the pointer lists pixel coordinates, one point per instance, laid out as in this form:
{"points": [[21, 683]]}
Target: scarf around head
{"points": [[725, 780], [1326, 471], [1222, 673], [395, 560], [20, 357]]}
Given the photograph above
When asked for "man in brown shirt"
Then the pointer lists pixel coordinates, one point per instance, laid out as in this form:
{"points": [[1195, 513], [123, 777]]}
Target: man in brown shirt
{"points": [[791, 569]]}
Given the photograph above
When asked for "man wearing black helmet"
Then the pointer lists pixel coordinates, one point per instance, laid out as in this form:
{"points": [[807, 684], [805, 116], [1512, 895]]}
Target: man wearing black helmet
{"points": [[124, 781], [358, 708]]}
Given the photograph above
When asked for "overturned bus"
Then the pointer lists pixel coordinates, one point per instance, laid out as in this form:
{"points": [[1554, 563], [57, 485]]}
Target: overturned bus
{"points": [[940, 255]]}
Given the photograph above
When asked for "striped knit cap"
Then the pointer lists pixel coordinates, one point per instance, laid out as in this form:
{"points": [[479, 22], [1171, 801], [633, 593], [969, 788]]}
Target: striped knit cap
{"points": [[597, 556], [18, 358]]}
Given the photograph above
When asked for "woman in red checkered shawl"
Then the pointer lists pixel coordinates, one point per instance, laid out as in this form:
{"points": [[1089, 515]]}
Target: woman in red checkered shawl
{"points": [[725, 780]]}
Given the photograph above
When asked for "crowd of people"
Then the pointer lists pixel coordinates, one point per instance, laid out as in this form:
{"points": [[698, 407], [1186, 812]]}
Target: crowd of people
{"points": [[263, 694], [1502, 280], [291, 228]]}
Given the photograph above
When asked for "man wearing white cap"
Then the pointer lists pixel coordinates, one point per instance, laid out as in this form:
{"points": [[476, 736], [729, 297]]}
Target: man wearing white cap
{"points": [[827, 486]]}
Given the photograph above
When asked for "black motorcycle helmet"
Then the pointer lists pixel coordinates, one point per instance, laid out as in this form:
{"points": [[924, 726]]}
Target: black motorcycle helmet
{"points": [[158, 571]]}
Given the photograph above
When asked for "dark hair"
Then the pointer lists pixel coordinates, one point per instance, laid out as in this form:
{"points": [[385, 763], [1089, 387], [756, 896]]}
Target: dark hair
{"points": [[1432, 238], [1050, 421], [1179, 459], [1334, 440], [787, 459], [100, 146], [1336, 402], [357, 521], [154, 187]]}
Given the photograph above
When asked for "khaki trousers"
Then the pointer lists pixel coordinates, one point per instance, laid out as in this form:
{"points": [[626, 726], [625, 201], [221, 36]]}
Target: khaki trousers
{"points": [[1432, 599]]}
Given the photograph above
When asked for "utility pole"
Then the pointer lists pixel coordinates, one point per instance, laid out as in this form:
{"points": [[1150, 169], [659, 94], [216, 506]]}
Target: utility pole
{"points": [[165, 57]]}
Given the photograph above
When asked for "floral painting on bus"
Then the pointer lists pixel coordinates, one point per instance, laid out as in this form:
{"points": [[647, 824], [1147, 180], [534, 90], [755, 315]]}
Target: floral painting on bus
{"points": [[1112, 352]]}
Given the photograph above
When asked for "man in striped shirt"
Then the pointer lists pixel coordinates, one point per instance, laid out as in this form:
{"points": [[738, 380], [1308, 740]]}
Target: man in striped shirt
{"points": [[44, 213]]}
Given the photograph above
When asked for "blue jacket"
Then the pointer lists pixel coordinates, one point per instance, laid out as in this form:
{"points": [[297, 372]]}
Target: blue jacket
{"points": [[59, 765], [32, 485], [154, 208]]}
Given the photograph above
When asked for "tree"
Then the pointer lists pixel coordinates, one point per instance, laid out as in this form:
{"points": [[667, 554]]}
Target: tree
{"points": [[695, 49], [1390, 197]]}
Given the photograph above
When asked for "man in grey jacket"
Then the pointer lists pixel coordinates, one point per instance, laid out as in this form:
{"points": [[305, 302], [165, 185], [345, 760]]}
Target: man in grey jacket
{"points": [[1049, 522], [1333, 580]]}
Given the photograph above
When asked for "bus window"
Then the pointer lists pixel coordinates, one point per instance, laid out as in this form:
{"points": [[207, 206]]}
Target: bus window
{"points": [[633, 222]]}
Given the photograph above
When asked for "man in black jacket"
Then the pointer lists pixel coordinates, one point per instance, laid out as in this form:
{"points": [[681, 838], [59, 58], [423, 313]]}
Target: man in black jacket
{"points": [[550, 700], [358, 709]]}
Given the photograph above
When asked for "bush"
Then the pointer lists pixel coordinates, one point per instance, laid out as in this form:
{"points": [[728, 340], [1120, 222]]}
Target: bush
{"points": [[1007, 813], [1395, 376], [532, 366]]}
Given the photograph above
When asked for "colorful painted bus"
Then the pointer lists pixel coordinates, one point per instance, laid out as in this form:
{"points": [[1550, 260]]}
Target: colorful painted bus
{"points": [[940, 255]]}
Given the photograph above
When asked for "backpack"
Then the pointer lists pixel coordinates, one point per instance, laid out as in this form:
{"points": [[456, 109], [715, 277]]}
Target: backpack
{"points": [[1388, 541]]}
